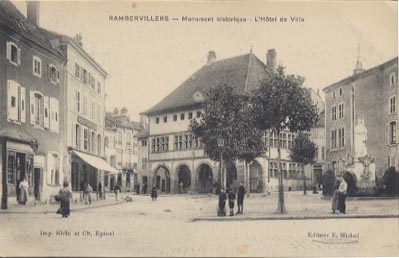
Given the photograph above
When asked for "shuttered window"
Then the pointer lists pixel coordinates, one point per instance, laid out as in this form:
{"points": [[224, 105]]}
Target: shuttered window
{"points": [[37, 66], [54, 115], [13, 53]]}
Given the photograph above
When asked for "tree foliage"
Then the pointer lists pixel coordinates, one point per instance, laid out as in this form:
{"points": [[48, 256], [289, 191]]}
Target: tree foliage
{"points": [[302, 150], [280, 102], [226, 116]]}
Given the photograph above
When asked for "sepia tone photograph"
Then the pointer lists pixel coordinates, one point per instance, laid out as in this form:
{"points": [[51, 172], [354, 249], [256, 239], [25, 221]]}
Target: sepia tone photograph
{"points": [[199, 128]]}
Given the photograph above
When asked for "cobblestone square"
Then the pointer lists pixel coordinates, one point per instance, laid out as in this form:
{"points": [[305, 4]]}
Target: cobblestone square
{"points": [[165, 228]]}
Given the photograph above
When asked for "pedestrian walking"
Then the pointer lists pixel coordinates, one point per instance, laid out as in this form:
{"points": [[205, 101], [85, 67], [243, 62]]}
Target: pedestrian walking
{"points": [[222, 203], [64, 196], [343, 187], [334, 205], [88, 191], [99, 191], [240, 198], [23, 191], [144, 191], [232, 199], [154, 193], [83, 191], [117, 190]]}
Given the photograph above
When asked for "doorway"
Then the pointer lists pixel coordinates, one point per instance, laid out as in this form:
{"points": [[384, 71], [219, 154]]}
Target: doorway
{"points": [[36, 184]]}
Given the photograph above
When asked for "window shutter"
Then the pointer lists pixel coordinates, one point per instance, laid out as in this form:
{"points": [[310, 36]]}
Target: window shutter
{"points": [[397, 132], [12, 101], [386, 134], [8, 50], [58, 76], [49, 72], [57, 115], [32, 107], [46, 113], [54, 115], [23, 105], [19, 56]]}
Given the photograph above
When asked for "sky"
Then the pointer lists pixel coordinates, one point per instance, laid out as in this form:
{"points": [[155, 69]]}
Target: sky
{"points": [[146, 61]]}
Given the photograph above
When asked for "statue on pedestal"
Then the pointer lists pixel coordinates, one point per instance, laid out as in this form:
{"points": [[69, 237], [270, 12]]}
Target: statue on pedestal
{"points": [[360, 139]]}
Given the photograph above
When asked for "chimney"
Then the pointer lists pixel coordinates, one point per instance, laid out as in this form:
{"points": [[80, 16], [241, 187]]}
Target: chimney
{"points": [[33, 12], [78, 39], [211, 57], [271, 59]]}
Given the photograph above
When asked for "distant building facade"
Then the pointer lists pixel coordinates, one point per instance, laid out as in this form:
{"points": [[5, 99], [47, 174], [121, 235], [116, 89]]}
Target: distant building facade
{"points": [[121, 150], [84, 92], [369, 98], [32, 145], [173, 160]]}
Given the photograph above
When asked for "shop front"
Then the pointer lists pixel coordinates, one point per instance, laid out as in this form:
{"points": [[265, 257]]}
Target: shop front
{"points": [[17, 159], [89, 169]]}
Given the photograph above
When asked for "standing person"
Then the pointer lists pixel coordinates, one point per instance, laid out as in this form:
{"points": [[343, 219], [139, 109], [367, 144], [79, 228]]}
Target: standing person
{"points": [[117, 190], [99, 191], [23, 191], [64, 196], [144, 191], [181, 187], [154, 193], [334, 205], [232, 198], [222, 203], [83, 190], [343, 187], [88, 191], [240, 198]]}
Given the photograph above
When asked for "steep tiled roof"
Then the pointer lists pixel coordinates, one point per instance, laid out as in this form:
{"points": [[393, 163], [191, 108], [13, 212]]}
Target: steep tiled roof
{"points": [[15, 20], [241, 72]]}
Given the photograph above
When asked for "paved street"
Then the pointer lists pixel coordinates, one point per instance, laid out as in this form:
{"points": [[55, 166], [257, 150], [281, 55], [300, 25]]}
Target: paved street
{"points": [[165, 228]]}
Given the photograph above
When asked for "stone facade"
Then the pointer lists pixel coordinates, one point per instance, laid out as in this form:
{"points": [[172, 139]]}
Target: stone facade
{"points": [[31, 113], [369, 97], [173, 160]]}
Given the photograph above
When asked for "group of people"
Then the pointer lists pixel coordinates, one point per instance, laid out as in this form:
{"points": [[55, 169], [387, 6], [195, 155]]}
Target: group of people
{"points": [[230, 195], [339, 196]]}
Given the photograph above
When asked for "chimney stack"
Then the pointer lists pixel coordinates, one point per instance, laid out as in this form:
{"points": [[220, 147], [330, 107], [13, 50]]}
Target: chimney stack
{"points": [[78, 39], [33, 12], [211, 57], [271, 57]]}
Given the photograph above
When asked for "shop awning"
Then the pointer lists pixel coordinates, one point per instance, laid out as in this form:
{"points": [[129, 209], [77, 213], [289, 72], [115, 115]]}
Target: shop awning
{"points": [[95, 162]]}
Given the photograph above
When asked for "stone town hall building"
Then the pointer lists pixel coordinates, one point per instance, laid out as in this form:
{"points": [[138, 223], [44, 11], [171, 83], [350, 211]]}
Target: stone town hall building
{"points": [[170, 155]]}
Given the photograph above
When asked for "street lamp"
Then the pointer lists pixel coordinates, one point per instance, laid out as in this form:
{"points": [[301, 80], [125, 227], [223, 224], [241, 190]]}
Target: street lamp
{"points": [[220, 143]]}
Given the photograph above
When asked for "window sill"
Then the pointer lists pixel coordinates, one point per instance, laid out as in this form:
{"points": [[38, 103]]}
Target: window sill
{"points": [[15, 122], [37, 75], [11, 62]]}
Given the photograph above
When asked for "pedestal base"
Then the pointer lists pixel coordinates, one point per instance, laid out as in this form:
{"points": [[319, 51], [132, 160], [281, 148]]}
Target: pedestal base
{"points": [[364, 173]]}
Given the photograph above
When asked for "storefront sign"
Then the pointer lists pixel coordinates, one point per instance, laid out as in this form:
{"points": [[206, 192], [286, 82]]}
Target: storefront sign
{"points": [[87, 123], [39, 161], [19, 147]]}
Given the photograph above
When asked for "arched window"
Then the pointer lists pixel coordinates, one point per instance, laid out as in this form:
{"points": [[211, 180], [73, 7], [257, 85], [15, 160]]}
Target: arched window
{"points": [[392, 79]]}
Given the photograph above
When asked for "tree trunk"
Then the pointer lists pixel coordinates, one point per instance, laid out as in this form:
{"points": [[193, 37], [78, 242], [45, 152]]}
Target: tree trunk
{"points": [[281, 206], [304, 181], [247, 177]]}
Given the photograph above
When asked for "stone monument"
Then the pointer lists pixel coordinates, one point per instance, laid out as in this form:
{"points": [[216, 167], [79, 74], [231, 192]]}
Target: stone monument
{"points": [[361, 164]]}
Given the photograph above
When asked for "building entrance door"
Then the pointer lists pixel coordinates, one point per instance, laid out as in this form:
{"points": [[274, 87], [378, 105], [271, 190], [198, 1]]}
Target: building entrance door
{"points": [[21, 171], [36, 183]]}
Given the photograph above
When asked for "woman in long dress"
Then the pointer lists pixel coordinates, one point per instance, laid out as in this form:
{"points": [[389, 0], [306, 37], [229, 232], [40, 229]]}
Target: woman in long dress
{"points": [[334, 205], [23, 191], [64, 195]]}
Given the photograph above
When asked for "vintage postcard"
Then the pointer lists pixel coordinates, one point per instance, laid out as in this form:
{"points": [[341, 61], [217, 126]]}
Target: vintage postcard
{"points": [[199, 128]]}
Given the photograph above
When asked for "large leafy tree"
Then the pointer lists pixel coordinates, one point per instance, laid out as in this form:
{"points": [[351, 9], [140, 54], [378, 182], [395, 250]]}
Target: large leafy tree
{"points": [[279, 103], [303, 151], [226, 119]]}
